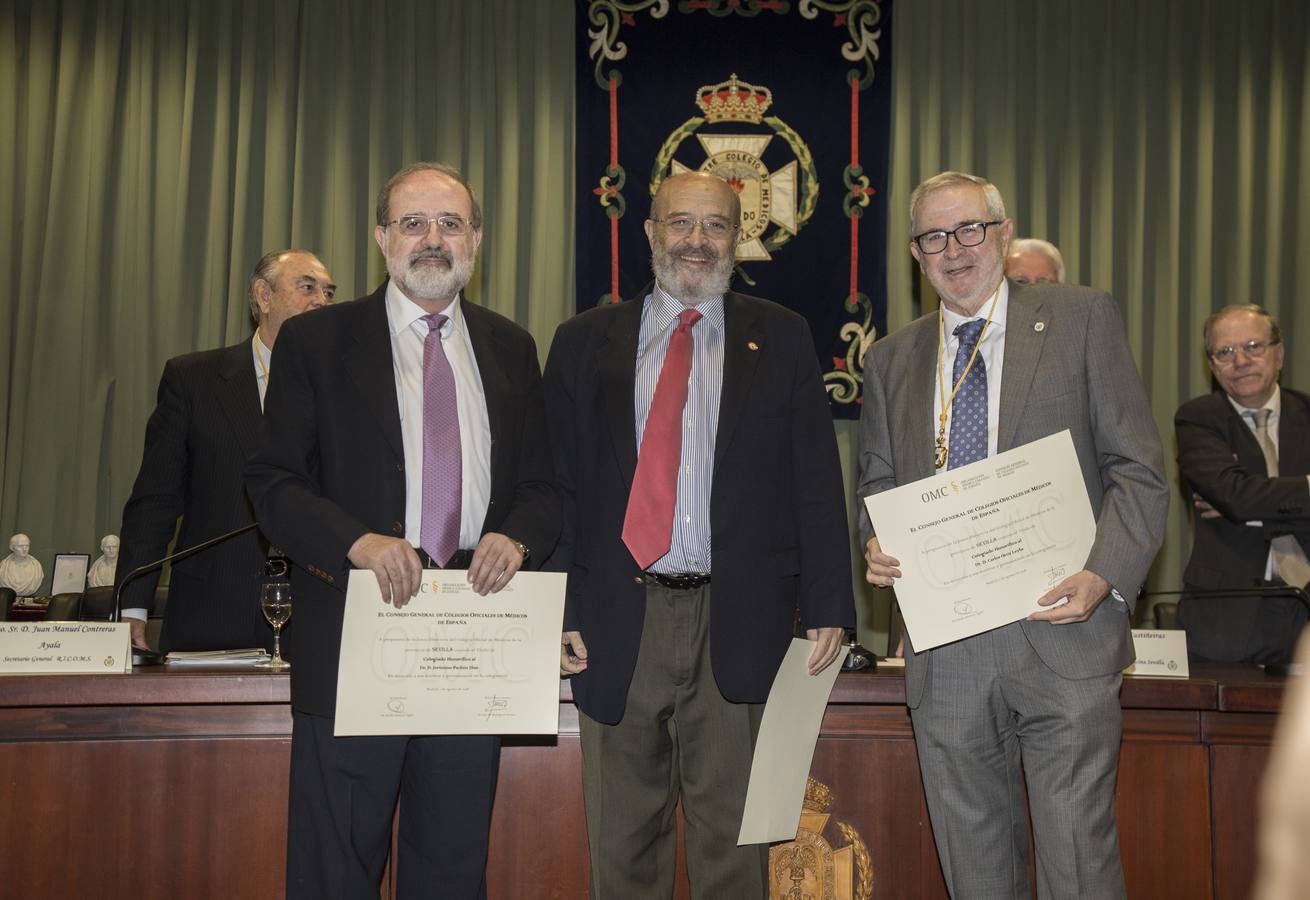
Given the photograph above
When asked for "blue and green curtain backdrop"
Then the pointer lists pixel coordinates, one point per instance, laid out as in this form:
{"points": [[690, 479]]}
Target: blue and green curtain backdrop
{"points": [[787, 101]]}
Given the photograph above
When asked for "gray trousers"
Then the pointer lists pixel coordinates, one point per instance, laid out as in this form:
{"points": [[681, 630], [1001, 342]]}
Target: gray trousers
{"points": [[678, 736], [992, 717]]}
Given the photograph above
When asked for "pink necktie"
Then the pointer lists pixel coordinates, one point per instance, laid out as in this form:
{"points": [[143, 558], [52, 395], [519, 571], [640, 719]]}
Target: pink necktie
{"points": [[648, 524], [442, 466]]}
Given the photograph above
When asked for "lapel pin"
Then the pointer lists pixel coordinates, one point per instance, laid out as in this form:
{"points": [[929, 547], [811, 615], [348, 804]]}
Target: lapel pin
{"points": [[1039, 326], [752, 345]]}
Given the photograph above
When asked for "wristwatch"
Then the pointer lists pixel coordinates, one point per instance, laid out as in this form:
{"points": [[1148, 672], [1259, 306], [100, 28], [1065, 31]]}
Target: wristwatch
{"points": [[523, 548]]}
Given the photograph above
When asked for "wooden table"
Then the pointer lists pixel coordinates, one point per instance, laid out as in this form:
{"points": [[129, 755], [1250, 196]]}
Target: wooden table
{"points": [[172, 782]]}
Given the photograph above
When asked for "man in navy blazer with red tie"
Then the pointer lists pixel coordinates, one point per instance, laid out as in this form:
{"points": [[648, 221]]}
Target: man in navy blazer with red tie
{"points": [[685, 577]]}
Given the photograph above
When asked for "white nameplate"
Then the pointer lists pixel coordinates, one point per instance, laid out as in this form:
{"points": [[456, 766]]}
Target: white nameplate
{"points": [[1159, 652], [44, 648]]}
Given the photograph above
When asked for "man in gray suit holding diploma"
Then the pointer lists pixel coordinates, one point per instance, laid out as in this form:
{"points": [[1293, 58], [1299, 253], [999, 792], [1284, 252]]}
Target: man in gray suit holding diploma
{"points": [[997, 366]]}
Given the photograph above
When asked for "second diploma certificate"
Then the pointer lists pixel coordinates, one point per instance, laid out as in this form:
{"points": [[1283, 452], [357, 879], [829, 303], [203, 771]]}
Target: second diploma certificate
{"points": [[450, 661], [979, 544]]}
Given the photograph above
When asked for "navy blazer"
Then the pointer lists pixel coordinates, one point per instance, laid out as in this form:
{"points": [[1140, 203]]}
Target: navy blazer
{"points": [[777, 510]]}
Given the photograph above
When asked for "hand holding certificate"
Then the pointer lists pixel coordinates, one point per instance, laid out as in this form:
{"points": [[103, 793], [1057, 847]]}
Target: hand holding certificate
{"points": [[450, 661], [978, 545]]}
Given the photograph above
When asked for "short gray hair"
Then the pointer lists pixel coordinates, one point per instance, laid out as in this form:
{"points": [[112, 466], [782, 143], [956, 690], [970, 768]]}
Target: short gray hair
{"points": [[1045, 248], [266, 271], [383, 209], [1275, 332], [949, 179]]}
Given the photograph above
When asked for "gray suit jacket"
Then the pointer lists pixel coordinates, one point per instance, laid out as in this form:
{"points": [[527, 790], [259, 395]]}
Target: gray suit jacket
{"points": [[1073, 372]]}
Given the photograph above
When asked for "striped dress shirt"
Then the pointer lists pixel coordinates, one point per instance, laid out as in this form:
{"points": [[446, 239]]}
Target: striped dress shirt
{"points": [[690, 548]]}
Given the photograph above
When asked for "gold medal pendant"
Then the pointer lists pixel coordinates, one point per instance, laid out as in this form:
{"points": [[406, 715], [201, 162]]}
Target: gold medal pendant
{"points": [[942, 453]]}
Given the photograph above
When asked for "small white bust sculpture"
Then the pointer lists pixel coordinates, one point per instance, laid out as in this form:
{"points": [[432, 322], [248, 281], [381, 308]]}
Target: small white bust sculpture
{"points": [[102, 570], [20, 570]]}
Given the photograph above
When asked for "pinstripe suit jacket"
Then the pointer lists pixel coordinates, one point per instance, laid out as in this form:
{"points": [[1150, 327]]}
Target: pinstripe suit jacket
{"points": [[205, 425], [1074, 372]]}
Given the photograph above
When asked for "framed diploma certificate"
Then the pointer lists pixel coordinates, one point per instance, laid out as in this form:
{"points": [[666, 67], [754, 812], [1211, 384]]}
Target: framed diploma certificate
{"points": [[450, 661], [979, 544]]}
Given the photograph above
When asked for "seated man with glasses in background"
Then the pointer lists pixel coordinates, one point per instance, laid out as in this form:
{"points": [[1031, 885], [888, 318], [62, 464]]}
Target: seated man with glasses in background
{"points": [[1245, 453]]}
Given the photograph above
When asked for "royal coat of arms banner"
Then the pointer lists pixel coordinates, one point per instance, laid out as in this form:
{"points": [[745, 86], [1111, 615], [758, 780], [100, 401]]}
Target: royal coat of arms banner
{"points": [[790, 103]]}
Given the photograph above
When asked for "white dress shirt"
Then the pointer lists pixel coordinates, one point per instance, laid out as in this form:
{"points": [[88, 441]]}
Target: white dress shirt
{"points": [[408, 333], [263, 362], [1275, 406]]}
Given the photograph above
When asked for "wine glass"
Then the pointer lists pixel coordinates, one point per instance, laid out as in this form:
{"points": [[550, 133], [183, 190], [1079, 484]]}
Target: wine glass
{"points": [[276, 603]]}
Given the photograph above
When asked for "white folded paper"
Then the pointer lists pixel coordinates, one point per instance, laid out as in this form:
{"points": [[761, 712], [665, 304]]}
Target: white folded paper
{"points": [[784, 749]]}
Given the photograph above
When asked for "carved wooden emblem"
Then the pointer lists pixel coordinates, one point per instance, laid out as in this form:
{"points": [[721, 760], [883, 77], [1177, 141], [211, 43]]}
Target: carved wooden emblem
{"points": [[809, 868]]}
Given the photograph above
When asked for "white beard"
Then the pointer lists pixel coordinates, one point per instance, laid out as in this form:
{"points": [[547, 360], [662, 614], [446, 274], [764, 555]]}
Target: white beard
{"points": [[691, 287]]}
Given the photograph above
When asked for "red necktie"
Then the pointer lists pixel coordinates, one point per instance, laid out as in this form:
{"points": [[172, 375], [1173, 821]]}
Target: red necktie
{"points": [[648, 524]]}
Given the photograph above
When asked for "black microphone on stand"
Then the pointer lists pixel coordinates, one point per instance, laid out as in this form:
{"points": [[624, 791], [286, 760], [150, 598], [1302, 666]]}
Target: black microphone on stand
{"points": [[116, 616]]}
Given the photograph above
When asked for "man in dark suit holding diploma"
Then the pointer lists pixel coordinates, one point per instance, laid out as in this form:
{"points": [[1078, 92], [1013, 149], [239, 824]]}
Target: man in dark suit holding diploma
{"points": [[404, 430]]}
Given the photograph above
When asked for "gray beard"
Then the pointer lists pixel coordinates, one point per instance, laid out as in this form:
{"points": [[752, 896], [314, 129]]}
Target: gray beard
{"points": [[690, 287], [428, 283]]}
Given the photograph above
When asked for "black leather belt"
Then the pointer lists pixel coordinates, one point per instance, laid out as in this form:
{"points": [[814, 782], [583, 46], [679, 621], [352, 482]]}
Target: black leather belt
{"points": [[460, 560], [678, 582]]}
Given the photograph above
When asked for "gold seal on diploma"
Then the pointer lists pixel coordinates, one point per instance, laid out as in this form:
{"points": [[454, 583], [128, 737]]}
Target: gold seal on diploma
{"points": [[808, 868]]}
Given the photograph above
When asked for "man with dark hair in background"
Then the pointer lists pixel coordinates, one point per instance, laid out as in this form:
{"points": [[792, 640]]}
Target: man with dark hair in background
{"points": [[204, 428]]}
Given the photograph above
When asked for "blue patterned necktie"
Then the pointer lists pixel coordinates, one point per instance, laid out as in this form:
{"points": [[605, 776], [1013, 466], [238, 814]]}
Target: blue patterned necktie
{"points": [[969, 409]]}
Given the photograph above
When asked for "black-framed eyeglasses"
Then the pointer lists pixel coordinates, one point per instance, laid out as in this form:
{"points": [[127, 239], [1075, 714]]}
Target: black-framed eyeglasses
{"points": [[418, 226], [970, 234], [1253, 349], [713, 227]]}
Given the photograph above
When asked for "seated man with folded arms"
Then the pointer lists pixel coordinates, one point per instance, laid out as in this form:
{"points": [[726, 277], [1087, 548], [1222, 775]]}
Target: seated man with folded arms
{"points": [[1244, 451]]}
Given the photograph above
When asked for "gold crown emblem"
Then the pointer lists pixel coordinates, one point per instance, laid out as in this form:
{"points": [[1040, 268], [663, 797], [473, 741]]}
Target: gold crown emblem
{"points": [[818, 796], [733, 101]]}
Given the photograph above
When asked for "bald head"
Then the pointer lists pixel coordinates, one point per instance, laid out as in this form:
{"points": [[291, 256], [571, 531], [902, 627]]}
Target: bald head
{"points": [[693, 227], [1034, 261], [685, 184]]}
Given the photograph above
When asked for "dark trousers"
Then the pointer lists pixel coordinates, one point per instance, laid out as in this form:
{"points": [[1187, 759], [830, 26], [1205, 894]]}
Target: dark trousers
{"points": [[343, 797], [678, 736]]}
